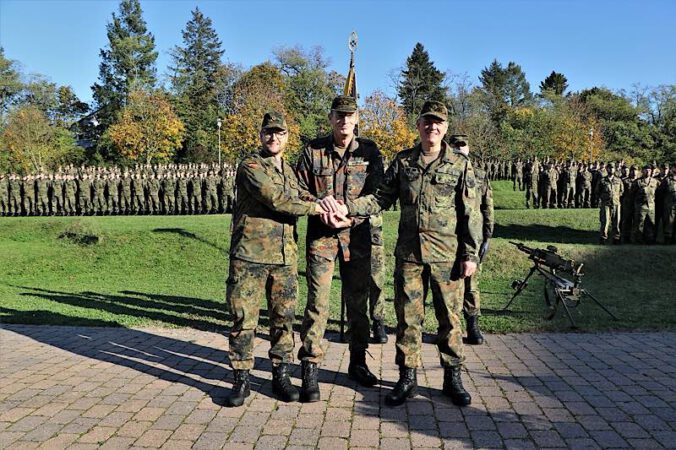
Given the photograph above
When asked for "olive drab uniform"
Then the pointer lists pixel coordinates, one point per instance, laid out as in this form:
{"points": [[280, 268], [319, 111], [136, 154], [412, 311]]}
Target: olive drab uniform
{"points": [[531, 180], [668, 187], [483, 202], [627, 211], [263, 257], [169, 189], [323, 172], [438, 226], [84, 195], [643, 226], [608, 192]]}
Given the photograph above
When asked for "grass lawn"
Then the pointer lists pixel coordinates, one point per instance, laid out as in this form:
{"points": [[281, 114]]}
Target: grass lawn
{"points": [[170, 272]]}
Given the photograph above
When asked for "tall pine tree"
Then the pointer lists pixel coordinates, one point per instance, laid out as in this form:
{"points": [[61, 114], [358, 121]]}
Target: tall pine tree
{"points": [[419, 81], [127, 62], [196, 78], [555, 83], [504, 88]]}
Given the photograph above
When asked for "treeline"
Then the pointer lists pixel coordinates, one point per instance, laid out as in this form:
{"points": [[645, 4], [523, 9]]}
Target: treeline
{"points": [[138, 116]]}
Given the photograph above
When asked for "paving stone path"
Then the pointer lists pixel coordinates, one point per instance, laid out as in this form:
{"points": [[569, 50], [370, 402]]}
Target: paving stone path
{"points": [[81, 388]]}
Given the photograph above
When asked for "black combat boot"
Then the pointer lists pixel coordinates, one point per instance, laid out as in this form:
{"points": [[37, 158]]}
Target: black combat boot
{"points": [[453, 387], [281, 384], [359, 371], [405, 388], [474, 336], [310, 389], [602, 241], [379, 334], [240, 390]]}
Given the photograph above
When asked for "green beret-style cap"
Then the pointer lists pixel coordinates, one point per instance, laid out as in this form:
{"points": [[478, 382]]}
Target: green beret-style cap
{"points": [[459, 139], [274, 120], [434, 109], [344, 103]]}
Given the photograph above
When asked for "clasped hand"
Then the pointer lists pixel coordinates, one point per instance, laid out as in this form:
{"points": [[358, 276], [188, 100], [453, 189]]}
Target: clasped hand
{"points": [[334, 212]]}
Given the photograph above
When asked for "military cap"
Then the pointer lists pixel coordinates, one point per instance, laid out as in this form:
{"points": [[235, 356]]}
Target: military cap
{"points": [[344, 103], [459, 139], [434, 109], [647, 166], [273, 120]]}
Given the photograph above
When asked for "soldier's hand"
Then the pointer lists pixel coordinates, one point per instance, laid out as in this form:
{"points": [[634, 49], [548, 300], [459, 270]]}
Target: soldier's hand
{"points": [[336, 220], [329, 204], [467, 269]]}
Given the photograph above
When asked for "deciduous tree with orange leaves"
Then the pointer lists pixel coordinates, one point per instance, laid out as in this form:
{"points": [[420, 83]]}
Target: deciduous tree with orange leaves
{"points": [[383, 121]]}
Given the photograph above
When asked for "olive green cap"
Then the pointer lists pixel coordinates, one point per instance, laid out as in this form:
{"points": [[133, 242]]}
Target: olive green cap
{"points": [[344, 103], [273, 120], [434, 109], [459, 139]]}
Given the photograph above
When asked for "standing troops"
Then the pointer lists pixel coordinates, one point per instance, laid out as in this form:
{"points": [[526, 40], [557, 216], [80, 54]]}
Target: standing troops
{"points": [[4, 195], [84, 192], [608, 192], [438, 243], [531, 180], [15, 195], [584, 187], [169, 189], [153, 189], [69, 190], [340, 166], [568, 185], [668, 189], [643, 194], [483, 201], [263, 259], [377, 280], [627, 211], [125, 193]]}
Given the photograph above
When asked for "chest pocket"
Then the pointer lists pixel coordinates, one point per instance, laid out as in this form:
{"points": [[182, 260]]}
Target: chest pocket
{"points": [[409, 184], [445, 182], [356, 178], [323, 180]]}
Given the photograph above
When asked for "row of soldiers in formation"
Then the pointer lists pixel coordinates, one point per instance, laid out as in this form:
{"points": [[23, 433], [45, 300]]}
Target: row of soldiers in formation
{"points": [[558, 184], [636, 208], [144, 189]]}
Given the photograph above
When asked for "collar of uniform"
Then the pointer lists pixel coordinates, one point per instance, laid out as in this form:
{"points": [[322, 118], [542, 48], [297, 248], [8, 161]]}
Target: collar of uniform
{"points": [[268, 160], [416, 155], [351, 147]]}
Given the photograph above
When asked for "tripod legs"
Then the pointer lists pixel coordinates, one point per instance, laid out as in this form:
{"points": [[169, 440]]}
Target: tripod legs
{"points": [[521, 287], [600, 305]]}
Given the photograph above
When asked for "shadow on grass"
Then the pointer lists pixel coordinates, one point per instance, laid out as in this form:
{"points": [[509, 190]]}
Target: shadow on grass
{"points": [[546, 233], [190, 235]]}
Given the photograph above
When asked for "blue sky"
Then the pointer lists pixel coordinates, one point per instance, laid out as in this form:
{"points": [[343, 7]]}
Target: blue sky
{"points": [[610, 43]]}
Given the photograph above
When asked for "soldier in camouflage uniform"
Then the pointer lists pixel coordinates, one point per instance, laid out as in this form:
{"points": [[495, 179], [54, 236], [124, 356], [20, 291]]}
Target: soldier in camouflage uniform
{"points": [[69, 189], [125, 194], [137, 196], [668, 188], [195, 192], [4, 195], [263, 259], [14, 195], [438, 243], [28, 194], [532, 182], [340, 166], [182, 199], [112, 193], [643, 194], [169, 189], [41, 195], [210, 193], [153, 189], [84, 189], [55, 194], [377, 281], [98, 195], [469, 289], [627, 201], [609, 192], [550, 179]]}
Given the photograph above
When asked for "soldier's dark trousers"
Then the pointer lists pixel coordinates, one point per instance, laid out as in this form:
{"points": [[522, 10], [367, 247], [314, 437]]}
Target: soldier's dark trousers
{"points": [[248, 283], [355, 276], [411, 283], [532, 194]]}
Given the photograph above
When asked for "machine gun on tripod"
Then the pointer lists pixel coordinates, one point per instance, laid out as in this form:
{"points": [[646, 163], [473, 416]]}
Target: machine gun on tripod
{"points": [[563, 281]]}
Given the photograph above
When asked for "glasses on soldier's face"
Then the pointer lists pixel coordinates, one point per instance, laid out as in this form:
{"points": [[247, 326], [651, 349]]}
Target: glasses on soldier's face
{"points": [[276, 133]]}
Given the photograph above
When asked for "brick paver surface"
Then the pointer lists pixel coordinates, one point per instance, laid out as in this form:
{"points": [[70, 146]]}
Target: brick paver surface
{"points": [[79, 387]]}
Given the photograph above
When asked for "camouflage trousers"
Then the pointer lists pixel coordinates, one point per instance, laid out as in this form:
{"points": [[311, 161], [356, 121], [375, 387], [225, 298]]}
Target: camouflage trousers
{"points": [[355, 290], [247, 283], [376, 283], [549, 197], [583, 196], [411, 283], [643, 231], [609, 215], [568, 197], [471, 296]]}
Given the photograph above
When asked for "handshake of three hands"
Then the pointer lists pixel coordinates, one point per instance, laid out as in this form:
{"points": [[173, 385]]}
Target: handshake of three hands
{"points": [[333, 212]]}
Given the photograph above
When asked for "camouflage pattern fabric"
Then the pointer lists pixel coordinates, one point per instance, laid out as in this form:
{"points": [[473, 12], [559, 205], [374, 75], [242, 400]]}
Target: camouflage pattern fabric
{"points": [[669, 218], [608, 192], [411, 283], [246, 285], [377, 279], [643, 227], [323, 171]]}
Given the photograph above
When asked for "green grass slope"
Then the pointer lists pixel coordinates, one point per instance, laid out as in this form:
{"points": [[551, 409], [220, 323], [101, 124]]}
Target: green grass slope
{"points": [[170, 272]]}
